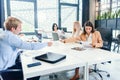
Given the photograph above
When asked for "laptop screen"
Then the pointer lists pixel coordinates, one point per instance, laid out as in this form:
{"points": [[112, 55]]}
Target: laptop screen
{"points": [[55, 36]]}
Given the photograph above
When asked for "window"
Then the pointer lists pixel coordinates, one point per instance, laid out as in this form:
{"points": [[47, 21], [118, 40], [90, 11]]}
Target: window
{"points": [[69, 13], [24, 11], [39, 13], [47, 13], [110, 7]]}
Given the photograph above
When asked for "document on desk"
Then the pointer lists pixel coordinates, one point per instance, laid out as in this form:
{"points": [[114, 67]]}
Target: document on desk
{"points": [[86, 44], [78, 48]]}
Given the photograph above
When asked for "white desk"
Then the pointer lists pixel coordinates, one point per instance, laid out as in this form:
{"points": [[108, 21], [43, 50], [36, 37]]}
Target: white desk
{"points": [[74, 59], [94, 56], [69, 63]]}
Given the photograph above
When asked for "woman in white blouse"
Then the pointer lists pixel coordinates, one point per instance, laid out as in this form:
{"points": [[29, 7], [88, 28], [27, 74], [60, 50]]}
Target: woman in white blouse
{"points": [[61, 33]]}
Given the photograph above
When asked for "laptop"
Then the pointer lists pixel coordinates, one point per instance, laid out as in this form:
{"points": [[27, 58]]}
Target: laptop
{"points": [[55, 36], [51, 57]]}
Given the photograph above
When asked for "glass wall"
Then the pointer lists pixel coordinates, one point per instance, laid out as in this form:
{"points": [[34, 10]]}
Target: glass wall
{"points": [[107, 8], [46, 11], [24, 11], [68, 16], [70, 13], [69, 1]]}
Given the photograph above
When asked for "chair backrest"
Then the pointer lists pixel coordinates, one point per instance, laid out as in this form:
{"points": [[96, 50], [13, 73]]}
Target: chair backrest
{"points": [[118, 39], [64, 29], [118, 36], [115, 33], [106, 34], [1, 77], [5, 73]]}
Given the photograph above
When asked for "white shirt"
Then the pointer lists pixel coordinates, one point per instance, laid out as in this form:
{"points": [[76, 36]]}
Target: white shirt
{"points": [[89, 38]]}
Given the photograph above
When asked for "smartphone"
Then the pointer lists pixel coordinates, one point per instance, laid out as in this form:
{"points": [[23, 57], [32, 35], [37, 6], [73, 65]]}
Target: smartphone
{"points": [[34, 64]]}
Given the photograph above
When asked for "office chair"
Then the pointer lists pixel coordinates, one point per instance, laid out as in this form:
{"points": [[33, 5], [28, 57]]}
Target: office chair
{"points": [[10, 72], [53, 76], [64, 29], [5, 73], [118, 42], [116, 39], [1, 77], [106, 35]]}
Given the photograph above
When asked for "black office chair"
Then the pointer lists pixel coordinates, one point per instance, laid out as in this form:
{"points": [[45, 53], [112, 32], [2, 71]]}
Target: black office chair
{"points": [[116, 41], [11, 72], [106, 35], [4, 74]]}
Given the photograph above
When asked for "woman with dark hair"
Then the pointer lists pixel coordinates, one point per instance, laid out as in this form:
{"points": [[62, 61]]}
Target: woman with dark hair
{"points": [[55, 29], [91, 37], [88, 23]]}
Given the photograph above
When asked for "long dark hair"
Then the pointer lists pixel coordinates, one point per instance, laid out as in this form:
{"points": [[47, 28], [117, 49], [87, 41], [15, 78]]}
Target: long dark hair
{"points": [[88, 23], [54, 26]]}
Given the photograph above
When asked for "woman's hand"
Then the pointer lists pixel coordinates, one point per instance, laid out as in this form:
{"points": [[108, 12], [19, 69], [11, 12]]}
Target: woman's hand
{"points": [[50, 43], [62, 40], [95, 45]]}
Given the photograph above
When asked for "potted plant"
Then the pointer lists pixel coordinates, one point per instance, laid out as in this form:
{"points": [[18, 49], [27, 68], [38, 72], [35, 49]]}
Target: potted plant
{"points": [[111, 20]]}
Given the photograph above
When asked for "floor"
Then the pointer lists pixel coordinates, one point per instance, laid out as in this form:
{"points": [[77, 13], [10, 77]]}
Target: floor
{"points": [[113, 68]]}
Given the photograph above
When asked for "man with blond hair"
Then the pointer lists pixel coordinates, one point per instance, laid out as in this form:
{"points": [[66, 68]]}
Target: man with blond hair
{"points": [[10, 44]]}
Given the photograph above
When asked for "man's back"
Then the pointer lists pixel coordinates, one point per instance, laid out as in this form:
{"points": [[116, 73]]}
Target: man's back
{"points": [[7, 55]]}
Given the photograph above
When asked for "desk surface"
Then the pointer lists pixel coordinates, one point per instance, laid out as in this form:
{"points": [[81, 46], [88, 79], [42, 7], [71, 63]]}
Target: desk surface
{"points": [[90, 55], [70, 62], [74, 59]]}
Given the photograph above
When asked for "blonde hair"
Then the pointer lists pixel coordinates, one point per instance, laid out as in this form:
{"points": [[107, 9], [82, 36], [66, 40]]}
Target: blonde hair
{"points": [[77, 24], [76, 28], [11, 22]]}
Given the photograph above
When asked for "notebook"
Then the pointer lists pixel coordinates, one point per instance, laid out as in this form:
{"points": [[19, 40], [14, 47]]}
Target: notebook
{"points": [[51, 57], [55, 36]]}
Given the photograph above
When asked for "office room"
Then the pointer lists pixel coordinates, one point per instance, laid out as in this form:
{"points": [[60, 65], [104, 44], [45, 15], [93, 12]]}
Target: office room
{"points": [[59, 39]]}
